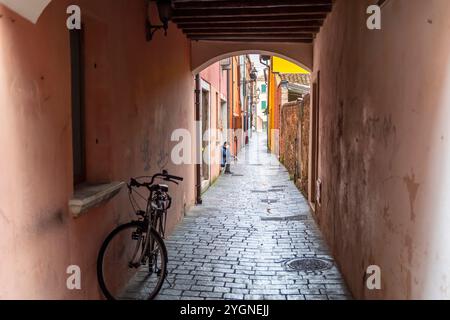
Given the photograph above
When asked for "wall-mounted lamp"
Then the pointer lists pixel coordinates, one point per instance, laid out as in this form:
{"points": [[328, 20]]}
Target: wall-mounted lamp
{"points": [[254, 74], [165, 12], [264, 59], [284, 84]]}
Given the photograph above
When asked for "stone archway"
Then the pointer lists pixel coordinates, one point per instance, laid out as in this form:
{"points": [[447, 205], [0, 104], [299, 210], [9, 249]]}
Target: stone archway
{"points": [[205, 53]]}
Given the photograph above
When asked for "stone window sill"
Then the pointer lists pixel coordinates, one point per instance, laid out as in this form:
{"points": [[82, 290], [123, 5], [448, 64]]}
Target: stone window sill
{"points": [[88, 196]]}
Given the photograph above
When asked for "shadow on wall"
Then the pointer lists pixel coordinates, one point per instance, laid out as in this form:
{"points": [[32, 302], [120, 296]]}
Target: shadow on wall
{"points": [[385, 150], [132, 103]]}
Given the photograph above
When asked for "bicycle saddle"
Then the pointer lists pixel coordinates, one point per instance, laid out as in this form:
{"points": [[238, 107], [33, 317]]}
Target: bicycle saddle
{"points": [[160, 187]]}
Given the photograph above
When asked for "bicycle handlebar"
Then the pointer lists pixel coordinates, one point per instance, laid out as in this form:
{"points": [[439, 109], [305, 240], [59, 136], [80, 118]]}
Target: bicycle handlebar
{"points": [[175, 177], [164, 175]]}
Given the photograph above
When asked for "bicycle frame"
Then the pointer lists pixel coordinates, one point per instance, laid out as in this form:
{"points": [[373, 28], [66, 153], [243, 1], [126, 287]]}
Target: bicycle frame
{"points": [[147, 232], [153, 220], [157, 206]]}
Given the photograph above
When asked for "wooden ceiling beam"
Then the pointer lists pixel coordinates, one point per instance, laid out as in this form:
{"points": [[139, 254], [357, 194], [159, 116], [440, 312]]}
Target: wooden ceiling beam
{"points": [[236, 4], [252, 36], [277, 40], [296, 32], [279, 11], [312, 30], [243, 25], [237, 19]]}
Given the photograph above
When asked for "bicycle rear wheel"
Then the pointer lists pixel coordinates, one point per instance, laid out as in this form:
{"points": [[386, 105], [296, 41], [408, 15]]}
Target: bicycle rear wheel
{"points": [[122, 275]]}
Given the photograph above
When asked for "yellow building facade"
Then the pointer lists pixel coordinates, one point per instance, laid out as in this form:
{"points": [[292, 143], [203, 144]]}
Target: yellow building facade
{"points": [[277, 66]]}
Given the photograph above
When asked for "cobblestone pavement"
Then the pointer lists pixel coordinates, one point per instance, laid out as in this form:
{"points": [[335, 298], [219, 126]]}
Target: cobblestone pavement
{"points": [[236, 245]]}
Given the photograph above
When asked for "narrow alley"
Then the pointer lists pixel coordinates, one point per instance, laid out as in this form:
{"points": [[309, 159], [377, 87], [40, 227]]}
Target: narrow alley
{"points": [[243, 241], [120, 119]]}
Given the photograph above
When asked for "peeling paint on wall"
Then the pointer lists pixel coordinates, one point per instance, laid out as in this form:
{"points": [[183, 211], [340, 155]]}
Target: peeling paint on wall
{"points": [[413, 188], [48, 221], [379, 117], [4, 217], [145, 152]]}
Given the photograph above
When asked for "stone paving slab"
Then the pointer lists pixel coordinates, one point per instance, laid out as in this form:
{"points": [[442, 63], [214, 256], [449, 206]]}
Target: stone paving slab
{"points": [[236, 245]]}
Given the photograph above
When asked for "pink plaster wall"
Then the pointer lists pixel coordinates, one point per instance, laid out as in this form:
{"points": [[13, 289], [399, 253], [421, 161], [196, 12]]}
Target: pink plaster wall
{"points": [[138, 92], [385, 152], [216, 77]]}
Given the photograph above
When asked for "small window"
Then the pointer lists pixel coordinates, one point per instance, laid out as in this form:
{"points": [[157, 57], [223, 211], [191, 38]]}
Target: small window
{"points": [[264, 105], [78, 142], [264, 88]]}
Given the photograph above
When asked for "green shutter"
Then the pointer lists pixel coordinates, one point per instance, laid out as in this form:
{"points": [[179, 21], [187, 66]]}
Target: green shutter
{"points": [[264, 105]]}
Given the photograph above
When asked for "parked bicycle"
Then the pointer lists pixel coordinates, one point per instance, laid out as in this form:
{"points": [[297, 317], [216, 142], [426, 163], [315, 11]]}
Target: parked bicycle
{"points": [[136, 250]]}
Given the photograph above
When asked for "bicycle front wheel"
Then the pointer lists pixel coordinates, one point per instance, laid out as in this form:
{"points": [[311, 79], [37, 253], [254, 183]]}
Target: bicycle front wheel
{"points": [[124, 270]]}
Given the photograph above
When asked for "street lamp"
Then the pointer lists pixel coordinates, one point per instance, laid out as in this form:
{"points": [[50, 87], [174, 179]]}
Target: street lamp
{"points": [[284, 84], [254, 74], [165, 13]]}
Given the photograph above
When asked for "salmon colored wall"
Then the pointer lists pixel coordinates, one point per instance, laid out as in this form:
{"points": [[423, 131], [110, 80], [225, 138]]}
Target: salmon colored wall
{"points": [[138, 92], [215, 138], [235, 107], [236, 96], [217, 79], [385, 150]]}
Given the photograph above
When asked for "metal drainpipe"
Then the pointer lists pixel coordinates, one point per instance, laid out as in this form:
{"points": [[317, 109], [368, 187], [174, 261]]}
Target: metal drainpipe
{"points": [[232, 101], [269, 137], [229, 87], [198, 182]]}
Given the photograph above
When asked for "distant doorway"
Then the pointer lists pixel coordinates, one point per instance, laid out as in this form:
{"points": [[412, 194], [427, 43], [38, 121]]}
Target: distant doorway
{"points": [[223, 119], [315, 181], [205, 134]]}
